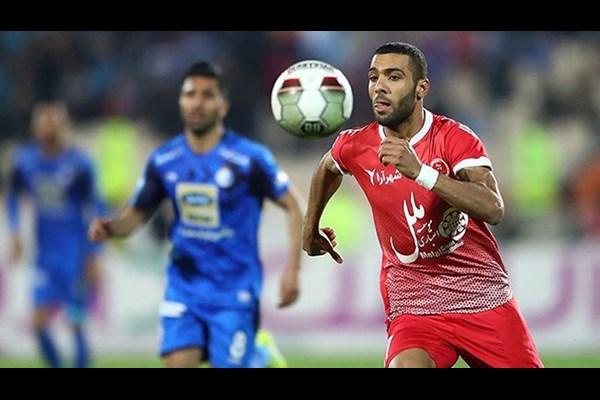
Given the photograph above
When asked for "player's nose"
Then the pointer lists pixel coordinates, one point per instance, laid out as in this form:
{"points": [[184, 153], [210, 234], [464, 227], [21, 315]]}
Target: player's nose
{"points": [[380, 87]]}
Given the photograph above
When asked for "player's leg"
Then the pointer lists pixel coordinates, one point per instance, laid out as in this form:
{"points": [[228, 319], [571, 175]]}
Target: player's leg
{"points": [[183, 336], [77, 312], [419, 341], [82, 349], [232, 336], [47, 347], [78, 302], [412, 358], [44, 305], [497, 338], [266, 352], [183, 358]]}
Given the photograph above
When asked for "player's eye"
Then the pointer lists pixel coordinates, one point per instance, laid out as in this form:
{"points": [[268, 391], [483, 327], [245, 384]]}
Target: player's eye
{"points": [[373, 78]]}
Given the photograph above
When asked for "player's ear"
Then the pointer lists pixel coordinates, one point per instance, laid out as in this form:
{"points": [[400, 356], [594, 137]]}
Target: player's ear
{"points": [[422, 88], [226, 105]]}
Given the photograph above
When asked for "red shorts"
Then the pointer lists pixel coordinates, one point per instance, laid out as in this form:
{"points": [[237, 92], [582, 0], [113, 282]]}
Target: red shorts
{"points": [[496, 338]]}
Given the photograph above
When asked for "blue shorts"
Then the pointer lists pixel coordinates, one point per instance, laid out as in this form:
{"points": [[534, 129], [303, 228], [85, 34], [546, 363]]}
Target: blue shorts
{"points": [[53, 289], [226, 336]]}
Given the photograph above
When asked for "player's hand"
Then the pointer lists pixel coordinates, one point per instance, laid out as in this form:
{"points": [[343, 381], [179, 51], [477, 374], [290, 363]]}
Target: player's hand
{"points": [[320, 244], [98, 231], [400, 154], [16, 251], [289, 291]]}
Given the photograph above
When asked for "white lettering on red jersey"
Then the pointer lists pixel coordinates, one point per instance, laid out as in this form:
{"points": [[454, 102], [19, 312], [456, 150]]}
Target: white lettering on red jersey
{"points": [[435, 259]]}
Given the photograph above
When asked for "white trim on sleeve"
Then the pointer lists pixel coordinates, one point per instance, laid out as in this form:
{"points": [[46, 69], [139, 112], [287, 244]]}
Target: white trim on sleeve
{"points": [[338, 166], [472, 162]]}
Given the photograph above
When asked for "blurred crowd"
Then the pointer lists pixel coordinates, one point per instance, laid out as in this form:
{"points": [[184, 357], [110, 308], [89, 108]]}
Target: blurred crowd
{"points": [[533, 97]]}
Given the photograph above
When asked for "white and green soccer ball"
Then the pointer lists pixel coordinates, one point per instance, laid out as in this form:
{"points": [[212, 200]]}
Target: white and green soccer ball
{"points": [[311, 99]]}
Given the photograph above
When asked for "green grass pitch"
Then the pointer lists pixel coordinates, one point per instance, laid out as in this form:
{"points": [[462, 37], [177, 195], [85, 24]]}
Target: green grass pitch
{"points": [[297, 361]]}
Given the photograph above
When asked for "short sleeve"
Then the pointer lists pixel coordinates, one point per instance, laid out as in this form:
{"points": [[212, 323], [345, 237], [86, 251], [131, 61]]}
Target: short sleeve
{"points": [[271, 178], [338, 150], [150, 191], [465, 149]]}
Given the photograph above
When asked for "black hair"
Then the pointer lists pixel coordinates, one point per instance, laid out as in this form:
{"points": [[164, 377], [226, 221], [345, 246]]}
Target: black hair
{"points": [[417, 58], [208, 70]]}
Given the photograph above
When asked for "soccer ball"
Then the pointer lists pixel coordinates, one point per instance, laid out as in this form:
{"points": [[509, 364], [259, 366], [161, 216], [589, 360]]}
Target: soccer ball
{"points": [[311, 99]]}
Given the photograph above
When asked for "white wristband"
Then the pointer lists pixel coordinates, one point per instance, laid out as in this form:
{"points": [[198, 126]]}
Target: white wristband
{"points": [[427, 177]]}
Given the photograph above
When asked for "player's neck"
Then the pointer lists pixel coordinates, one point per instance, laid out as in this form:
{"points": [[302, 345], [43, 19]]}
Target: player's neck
{"points": [[52, 148], [205, 143], [410, 126]]}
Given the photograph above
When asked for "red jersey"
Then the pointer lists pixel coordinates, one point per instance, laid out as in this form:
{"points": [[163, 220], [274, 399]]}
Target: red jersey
{"points": [[435, 259]]}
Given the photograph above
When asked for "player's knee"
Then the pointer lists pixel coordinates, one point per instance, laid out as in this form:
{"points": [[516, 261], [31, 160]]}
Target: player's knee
{"points": [[412, 358], [185, 358]]}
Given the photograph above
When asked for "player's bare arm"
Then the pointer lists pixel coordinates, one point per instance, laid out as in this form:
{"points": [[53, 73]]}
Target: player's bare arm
{"points": [[124, 225], [289, 290], [325, 182], [475, 193]]}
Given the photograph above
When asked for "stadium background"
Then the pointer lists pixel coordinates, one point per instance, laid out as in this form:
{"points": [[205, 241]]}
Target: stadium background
{"points": [[533, 97]]}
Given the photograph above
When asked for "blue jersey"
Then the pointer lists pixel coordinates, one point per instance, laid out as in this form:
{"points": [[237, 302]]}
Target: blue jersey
{"points": [[217, 199], [64, 198]]}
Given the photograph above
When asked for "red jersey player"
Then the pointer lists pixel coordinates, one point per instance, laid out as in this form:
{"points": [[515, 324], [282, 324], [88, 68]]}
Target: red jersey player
{"points": [[432, 192]]}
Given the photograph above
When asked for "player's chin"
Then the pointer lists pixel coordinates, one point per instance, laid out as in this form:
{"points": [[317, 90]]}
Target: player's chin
{"points": [[381, 118], [198, 127]]}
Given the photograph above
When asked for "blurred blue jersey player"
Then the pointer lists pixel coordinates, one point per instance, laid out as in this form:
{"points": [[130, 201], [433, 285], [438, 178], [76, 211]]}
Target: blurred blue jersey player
{"points": [[59, 181], [217, 182]]}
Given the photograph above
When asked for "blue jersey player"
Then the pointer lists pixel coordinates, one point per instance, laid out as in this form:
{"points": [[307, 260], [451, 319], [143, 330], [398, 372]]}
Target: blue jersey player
{"points": [[217, 181], [59, 181]]}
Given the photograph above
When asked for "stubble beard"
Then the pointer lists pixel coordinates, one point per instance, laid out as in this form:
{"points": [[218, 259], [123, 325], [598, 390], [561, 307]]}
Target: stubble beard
{"points": [[404, 109], [201, 130]]}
